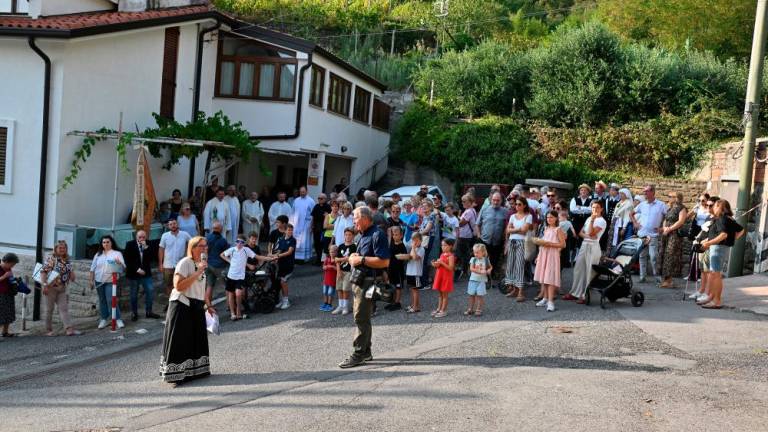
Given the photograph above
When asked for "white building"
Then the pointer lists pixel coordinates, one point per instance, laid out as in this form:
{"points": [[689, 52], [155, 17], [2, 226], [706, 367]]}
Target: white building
{"points": [[71, 65]]}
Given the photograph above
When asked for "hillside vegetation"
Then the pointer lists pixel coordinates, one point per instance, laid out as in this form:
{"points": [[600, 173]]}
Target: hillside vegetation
{"points": [[570, 89]]}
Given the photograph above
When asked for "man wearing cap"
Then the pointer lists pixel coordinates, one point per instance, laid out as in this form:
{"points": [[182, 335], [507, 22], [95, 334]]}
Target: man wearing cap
{"points": [[581, 208], [648, 218]]}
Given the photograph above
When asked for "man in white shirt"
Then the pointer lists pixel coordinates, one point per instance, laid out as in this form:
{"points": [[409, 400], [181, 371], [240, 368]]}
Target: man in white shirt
{"points": [[234, 214], [253, 214], [217, 209], [648, 218], [173, 247], [280, 207]]}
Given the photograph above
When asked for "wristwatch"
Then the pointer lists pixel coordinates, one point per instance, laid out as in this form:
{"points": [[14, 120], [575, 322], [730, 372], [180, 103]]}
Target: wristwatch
{"points": [[362, 261]]}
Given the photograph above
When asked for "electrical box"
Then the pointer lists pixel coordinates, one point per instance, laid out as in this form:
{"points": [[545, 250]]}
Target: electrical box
{"points": [[75, 236]]}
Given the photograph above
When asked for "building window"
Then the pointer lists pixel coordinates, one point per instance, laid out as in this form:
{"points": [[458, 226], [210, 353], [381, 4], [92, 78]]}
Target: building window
{"points": [[381, 113], [317, 87], [252, 70], [14, 6], [170, 60], [6, 154], [338, 95], [362, 105]]}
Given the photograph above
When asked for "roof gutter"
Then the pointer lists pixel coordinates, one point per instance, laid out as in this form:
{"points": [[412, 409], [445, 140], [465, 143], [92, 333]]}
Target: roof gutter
{"points": [[196, 100], [299, 104], [43, 169]]}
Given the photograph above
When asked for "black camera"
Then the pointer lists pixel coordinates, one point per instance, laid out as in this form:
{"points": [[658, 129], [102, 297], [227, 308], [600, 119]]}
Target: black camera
{"points": [[357, 276], [381, 291], [697, 247]]}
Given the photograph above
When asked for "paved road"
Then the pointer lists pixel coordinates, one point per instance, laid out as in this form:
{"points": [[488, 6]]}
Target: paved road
{"points": [[665, 366]]}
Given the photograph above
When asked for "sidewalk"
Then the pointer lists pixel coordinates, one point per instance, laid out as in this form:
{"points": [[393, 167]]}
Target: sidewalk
{"points": [[747, 293]]}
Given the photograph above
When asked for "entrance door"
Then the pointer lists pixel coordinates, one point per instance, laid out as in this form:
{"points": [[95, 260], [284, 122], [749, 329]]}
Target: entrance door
{"points": [[299, 177]]}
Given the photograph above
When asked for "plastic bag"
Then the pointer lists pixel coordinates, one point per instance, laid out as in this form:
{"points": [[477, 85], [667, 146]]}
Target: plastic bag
{"points": [[212, 323]]}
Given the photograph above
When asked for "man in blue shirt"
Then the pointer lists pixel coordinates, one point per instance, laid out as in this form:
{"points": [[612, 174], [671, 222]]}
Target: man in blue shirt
{"points": [[372, 257], [216, 266]]}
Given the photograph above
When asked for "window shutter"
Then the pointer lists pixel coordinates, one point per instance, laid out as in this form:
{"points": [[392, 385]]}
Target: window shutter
{"points": [[3, 152], [170, 58]]}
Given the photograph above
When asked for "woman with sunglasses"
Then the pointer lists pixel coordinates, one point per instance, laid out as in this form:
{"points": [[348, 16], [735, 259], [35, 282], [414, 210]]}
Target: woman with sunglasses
{"points": [[721, 236], [56, 291], [188, 221], [185, 341], [701, 255], [698, 216], [519, 224], [589, 253], [108, 260]]}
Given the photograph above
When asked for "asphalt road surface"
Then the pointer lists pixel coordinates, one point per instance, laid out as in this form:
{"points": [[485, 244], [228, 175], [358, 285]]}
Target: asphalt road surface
{"points": [[665, 366]]}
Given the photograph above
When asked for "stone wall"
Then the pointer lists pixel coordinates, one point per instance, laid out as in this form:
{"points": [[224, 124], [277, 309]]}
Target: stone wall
{"points": [[83, 301], [691, 189]]}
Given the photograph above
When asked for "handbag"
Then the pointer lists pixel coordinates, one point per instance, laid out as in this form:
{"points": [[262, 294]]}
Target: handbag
{"points": [[529, 246], [52, 275], [212, 323]]}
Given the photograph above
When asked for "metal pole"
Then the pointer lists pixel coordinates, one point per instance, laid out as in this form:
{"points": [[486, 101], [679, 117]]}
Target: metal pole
{"points": [[392, 44], [751, 117], [117, 173]]}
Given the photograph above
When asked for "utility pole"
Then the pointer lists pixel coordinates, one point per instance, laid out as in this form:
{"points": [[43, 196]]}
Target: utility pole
{"points": [[751, 123]]}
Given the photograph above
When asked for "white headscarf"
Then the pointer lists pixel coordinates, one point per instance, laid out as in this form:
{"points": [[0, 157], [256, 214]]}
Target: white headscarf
{"points": [[627, 193]]}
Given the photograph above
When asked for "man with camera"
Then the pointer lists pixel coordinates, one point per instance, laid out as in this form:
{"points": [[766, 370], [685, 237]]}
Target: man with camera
{"points": [[368, 265]]}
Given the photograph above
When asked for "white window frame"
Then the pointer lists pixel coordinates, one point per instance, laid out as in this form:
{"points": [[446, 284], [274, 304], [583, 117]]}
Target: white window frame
{"points": [[10, 125]]}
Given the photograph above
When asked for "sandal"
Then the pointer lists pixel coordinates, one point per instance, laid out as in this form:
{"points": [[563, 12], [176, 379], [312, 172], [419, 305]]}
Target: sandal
{"points": [[479, 312], [537, 298], [468, 312], [520, 299], [712, 306], [51, 333], [410, 309], [9, 334]]}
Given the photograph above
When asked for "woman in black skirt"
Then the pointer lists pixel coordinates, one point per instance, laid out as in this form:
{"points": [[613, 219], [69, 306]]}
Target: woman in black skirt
{"points": [[185, 343]]}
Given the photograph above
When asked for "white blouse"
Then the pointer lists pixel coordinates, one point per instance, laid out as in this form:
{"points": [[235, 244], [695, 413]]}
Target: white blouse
{"points": [[185, 268]]}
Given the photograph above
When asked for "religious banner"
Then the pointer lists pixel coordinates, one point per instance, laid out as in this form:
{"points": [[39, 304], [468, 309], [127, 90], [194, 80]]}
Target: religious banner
{"points": [[144, 199], [313, 173]]}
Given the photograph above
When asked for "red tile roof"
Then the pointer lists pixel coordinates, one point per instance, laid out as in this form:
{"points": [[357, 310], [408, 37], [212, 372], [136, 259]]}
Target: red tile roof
{"points": [[92, 20]]}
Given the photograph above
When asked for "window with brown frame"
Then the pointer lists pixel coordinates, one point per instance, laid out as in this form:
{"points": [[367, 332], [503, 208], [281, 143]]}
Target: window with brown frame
{"points": [[362, 105], [251, 70], [170, 60], [3, 152], [381, 113], [317, 88], [339, 93]]}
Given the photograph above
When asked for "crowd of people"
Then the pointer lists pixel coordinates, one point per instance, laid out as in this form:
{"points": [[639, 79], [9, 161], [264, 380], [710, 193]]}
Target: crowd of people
{"points": [[517, 243]]}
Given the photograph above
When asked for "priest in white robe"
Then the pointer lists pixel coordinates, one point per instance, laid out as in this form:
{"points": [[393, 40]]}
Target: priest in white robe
{"points": [[302, 224], [279, 207], [234, 214], [217, 209], [253, 214]]}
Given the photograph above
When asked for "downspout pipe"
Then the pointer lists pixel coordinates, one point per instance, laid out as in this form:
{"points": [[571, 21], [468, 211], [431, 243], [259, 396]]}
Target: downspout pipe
{"points": [[43, 170], [299, 104], [196, 95]]}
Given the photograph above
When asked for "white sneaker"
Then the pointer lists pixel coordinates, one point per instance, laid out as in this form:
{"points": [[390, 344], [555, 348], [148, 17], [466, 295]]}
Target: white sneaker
{"points": [[120, 323], [541, 302], [337, 310], [694, 296], [285, 305], [550, 307], [102, 324], [345, 311], [702, 297]]}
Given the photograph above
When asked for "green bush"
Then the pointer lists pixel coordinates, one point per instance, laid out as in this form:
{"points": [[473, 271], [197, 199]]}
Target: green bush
{"points": [[574, 80], [491, 149], [484, 80]]}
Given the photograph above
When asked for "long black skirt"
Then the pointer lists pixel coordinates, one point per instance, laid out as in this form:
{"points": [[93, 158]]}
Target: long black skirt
{"points": [[185, 342]]}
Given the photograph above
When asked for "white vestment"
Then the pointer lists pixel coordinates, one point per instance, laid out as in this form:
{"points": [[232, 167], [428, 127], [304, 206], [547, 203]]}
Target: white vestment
{"points": [[234, 218], [216, 210], [276, 209], [253, 213], [302, 226]]}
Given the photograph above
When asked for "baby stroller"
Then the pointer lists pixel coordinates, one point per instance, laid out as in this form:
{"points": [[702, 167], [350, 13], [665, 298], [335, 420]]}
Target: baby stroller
{"points": [[263, 288], [614, 275]]}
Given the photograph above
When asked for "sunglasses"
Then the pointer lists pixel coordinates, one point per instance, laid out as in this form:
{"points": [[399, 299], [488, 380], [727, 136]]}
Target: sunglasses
{"points": [[240, 241], [551, 195]]}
